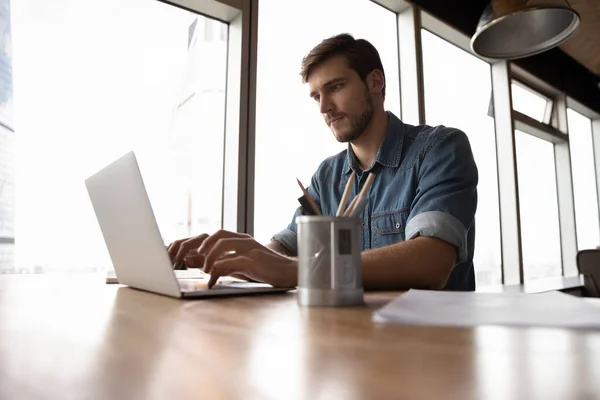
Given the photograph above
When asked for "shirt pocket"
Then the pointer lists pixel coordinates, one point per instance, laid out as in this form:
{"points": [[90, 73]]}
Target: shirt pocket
{"points": [[388, 227]]}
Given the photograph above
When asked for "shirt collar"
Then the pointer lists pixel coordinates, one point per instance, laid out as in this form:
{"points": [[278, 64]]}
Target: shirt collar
{"points": [[389, 151]]}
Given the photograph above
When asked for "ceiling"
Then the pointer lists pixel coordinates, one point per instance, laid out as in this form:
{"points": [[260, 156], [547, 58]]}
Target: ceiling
{"points": [[573, 67], [584, 45]]}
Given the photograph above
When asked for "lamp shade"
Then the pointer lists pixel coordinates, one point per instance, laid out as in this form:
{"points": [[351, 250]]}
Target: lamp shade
{"points": [[510, 29]]}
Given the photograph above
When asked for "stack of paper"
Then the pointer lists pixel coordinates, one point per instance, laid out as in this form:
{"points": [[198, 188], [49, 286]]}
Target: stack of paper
{"points": [[551, 309]]}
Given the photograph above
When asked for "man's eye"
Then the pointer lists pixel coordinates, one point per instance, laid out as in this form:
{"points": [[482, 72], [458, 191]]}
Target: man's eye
{"points": [[336, 87], [317, 98]]}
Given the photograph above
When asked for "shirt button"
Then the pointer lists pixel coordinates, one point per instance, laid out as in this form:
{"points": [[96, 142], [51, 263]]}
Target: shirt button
{"points": [[397, 225]]}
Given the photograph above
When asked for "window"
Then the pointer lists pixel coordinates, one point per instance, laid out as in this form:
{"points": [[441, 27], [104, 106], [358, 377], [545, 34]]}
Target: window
{"points": [[540, 233], [7, 145], [214, 31], [584, 180], [291, 137], [6, 81], [529, 103], [86, 95], [7, 200], [7, 185], [458, 95]]}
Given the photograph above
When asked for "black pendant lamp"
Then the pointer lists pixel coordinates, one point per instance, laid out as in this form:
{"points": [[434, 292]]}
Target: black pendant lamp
{"points": [[510, 29]]}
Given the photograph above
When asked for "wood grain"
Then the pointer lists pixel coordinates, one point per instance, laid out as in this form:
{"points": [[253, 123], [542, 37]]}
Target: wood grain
{"points": [[584, 44], [76, 338]]}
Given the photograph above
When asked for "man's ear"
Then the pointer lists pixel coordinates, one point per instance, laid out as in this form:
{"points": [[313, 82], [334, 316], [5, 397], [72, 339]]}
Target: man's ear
{"points": [[375, 81]]}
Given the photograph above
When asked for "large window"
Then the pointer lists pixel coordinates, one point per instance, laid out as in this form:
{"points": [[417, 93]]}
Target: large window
{"points": [[7, 145], [291, 136], [540, 232], [584, 180], [6, 82], [528, 102], [93, 81], [457, 94], [7, 200]]}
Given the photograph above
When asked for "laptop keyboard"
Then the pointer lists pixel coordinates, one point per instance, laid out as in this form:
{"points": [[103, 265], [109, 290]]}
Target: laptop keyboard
{"points": [[193, 286]]}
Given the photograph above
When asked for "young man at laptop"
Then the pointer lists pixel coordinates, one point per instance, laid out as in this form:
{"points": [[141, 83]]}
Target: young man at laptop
{"points": [[418, 228]]}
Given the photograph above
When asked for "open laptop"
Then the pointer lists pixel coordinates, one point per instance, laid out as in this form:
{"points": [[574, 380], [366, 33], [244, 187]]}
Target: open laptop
{"points": [[136, 248]]}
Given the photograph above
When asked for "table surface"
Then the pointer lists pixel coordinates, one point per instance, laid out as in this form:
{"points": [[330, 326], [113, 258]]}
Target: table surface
{"points": [[561, 283], [73, 337]]}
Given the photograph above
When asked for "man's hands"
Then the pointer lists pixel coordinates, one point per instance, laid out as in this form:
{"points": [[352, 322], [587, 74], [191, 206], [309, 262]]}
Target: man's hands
{"points": [[234, 254]]}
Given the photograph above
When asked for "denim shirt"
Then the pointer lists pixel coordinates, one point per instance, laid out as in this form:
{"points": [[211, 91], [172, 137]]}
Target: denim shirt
{"points": [[425, 185]]}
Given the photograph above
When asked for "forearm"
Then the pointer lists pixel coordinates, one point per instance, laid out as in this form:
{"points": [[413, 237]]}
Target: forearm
{"points": [[423, 263]]}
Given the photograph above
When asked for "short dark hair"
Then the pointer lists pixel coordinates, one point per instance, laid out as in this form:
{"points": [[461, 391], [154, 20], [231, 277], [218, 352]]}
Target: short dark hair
{"points": [[360, 55]]}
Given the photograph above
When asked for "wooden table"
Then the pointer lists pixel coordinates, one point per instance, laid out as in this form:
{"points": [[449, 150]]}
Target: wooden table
{"points": [[567, 284], [77, 338]]}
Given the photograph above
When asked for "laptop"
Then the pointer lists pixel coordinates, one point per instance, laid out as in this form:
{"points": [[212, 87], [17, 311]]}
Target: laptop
{"points": [[135, 245]]}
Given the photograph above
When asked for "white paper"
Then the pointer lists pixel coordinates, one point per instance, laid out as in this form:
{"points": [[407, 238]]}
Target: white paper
{"points": [[549, 309]]}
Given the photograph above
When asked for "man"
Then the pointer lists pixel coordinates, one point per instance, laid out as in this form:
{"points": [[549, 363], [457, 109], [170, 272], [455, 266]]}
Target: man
{"points": [[418, 227]]}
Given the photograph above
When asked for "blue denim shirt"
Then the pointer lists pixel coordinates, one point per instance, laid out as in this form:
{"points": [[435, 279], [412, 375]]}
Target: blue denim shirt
{"points": [[425, 185]]}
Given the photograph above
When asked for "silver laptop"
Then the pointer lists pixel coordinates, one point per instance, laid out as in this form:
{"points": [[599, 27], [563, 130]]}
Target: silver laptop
{"points": [[136, 248]]}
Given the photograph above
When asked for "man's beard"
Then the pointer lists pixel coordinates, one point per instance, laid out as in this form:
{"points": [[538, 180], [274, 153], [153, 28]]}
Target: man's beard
{"points": [[358, 123]]}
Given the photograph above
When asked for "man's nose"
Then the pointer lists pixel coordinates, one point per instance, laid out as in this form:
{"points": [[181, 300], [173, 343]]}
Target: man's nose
{"points": [[325, 105]]}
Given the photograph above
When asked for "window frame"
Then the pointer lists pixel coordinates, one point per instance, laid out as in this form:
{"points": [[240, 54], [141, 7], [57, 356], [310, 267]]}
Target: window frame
{"points": [[237, 207], [438, 31], [238, 199], [241, 16], [501, 103], [594, 118], [550, 99], [552, 128], [7, 126]]}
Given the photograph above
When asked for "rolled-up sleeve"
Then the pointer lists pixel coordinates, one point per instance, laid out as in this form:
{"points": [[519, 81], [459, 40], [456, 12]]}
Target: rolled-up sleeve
{"points": [[288, 237], [446, 194]]}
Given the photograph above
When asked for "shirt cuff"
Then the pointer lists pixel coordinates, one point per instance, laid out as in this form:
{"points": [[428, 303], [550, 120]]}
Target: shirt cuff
{"points": [[288, 239], [439, 225]]}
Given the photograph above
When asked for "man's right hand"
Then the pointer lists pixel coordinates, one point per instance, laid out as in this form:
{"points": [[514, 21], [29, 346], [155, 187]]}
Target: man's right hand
{"points": [[183, 252]]}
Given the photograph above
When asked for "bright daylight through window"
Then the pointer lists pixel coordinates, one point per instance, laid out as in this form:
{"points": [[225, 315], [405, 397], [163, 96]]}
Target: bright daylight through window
{"points": [[529, 103], [584, 180], [538, 202], [7, 144], [291, 135], [133, 75], [458, 96]]}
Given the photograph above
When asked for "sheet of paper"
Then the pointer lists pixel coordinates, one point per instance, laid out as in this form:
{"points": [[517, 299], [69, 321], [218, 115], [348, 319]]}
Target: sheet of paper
{"points": [[549, 309]]}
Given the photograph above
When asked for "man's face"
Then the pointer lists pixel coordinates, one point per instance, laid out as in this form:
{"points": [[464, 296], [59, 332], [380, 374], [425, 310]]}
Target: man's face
{"points": [[344, 99]]}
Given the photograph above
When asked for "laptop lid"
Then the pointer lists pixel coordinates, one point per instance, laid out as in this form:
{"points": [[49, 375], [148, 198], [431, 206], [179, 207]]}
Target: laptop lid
{"points": [[129, 227]]}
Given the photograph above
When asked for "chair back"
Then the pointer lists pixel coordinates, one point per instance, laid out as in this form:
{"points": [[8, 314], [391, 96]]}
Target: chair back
{"points": [[588, 263]]}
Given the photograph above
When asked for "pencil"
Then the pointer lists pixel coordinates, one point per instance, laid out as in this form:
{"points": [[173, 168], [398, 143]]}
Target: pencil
{"points": [[340, 210], [362, 194], [350, 206], [359, 206], [309, 199]]}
